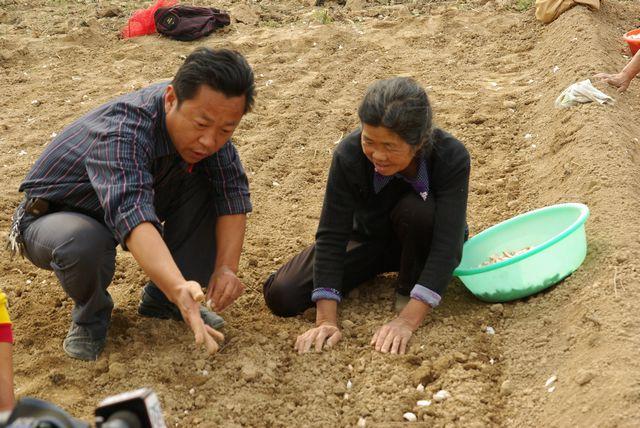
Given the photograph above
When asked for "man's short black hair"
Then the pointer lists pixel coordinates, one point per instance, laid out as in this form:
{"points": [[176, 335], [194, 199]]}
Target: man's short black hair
{"points": [[223, 70]]}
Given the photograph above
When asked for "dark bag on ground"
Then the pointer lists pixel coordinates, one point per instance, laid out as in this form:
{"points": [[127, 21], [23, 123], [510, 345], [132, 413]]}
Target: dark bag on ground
{"points": [[189, 22]]}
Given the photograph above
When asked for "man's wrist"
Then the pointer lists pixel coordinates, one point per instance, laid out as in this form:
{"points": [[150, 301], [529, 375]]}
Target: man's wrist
{"points": [[226, 267], [173, 291]]}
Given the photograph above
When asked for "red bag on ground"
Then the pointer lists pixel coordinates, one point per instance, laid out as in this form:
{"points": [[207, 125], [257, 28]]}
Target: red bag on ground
{"points": [[142, 22]]}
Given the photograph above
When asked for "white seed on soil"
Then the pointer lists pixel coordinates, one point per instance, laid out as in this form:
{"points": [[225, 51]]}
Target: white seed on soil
{"points": [[362, 422], [276, 184], [551, 380], [349, 384], [420, 388], [553, 388], [411, 417], [205, 372], [490, 330], [350, 367], [192, 391], [423, 403], [441, 395]]}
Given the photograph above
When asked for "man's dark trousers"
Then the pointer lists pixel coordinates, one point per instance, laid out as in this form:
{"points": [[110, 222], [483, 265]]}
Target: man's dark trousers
{"points": [[81, 250]]}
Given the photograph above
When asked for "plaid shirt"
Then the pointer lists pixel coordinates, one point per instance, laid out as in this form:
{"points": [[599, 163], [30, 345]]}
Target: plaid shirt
{"points": [[107, 163]]}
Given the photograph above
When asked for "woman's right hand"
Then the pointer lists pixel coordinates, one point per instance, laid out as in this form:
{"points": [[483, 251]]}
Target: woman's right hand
{"points": [[317, 336]]}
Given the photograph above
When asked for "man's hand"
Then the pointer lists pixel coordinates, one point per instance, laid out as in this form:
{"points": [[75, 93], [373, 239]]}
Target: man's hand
{"points": [[317, 336], [224, 288], [187, 298], [619, 80], [393, 337]]}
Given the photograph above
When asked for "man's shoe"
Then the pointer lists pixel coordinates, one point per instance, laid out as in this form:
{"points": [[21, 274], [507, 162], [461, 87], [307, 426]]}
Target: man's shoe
{"points": [[154, 308], [80, 344]]}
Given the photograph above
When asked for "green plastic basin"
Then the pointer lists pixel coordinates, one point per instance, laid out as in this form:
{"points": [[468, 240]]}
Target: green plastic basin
{"points": [[558, 247]]}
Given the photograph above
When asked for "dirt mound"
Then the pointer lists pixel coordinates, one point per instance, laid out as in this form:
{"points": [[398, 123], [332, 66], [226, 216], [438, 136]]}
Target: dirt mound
{"points": [[492, 75]]}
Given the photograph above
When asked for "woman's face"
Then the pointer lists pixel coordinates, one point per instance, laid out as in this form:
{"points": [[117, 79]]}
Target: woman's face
{"points": [[387, 151]]}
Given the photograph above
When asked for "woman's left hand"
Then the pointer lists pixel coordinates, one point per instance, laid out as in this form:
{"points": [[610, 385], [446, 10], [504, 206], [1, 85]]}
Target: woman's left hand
{"points": [[393, 337]]}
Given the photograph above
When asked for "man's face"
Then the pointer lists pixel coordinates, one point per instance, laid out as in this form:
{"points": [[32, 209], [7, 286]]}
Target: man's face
{"points": [[201, 125]]}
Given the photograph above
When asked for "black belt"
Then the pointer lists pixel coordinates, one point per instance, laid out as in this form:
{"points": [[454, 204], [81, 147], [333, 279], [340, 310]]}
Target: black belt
{"points": [[38, 207]]}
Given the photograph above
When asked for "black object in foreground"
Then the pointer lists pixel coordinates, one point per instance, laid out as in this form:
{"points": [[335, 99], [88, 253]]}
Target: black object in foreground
{"points": [[135, 409]]}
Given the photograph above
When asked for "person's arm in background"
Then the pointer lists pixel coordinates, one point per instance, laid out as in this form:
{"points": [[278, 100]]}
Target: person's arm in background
{"points": [[7, 399], [622, 79]]}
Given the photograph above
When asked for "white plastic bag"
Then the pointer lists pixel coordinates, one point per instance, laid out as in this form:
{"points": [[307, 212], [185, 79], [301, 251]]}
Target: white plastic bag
{"points": [[581, 92]]}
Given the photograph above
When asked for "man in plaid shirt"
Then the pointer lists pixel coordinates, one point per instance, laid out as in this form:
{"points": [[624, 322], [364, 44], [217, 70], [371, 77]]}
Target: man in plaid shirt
{"points": [[156, 172]]}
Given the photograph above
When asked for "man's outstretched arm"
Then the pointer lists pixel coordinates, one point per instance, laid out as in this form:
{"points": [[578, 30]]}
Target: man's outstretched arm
{"points": [[152, 254]]}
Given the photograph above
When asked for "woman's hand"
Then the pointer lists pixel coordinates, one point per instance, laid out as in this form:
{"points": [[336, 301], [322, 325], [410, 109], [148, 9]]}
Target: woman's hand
{"points": [[393, 337], [619, 80], [317, 336]]}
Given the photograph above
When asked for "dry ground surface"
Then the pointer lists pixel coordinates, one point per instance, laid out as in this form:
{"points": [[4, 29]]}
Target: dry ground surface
{"points": [[492, 73]]}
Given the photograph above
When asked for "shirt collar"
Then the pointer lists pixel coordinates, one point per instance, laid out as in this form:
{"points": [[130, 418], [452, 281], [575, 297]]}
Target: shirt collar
{"points": [[420, 184], [164, 145]]}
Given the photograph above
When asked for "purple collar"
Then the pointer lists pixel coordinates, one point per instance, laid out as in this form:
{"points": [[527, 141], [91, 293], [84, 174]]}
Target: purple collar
{"points": [[420, 184]]}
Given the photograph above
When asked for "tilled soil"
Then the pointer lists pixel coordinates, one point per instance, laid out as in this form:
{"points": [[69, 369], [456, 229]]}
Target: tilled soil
{"points": [[492, 74]]}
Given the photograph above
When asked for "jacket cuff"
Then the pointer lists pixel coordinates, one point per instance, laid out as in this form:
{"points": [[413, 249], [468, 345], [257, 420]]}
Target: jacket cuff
{"points": [[326, 294], [425, 295]]}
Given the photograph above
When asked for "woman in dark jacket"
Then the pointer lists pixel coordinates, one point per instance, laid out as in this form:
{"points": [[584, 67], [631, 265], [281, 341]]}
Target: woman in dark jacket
{"points": [[395, 201]]}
